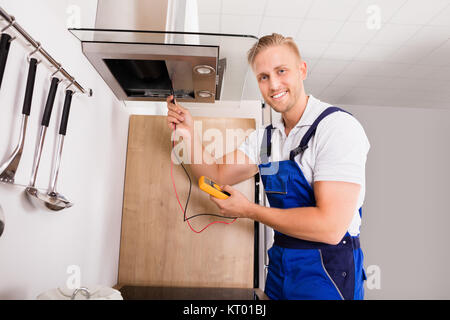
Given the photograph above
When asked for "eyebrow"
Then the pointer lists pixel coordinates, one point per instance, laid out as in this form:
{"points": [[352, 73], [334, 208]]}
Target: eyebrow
{"points": [[277, 67]]}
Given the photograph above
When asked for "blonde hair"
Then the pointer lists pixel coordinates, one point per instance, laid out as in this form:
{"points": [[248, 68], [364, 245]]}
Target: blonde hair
{"points": [[273, 39]]}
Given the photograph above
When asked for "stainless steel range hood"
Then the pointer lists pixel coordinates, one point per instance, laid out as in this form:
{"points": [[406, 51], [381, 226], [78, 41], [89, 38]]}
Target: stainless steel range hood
{"points": [[140, 48]]}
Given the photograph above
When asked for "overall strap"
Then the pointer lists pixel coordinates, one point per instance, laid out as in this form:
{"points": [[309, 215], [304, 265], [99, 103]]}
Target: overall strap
{"points": [[311, 131], [266, 146]]}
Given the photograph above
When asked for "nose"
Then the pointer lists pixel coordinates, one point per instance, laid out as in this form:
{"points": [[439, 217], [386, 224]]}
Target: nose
{"points": [[274, 83]]}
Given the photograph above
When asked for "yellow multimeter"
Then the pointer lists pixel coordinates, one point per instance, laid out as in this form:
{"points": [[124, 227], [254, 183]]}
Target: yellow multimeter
{"points": [[212, 188]]}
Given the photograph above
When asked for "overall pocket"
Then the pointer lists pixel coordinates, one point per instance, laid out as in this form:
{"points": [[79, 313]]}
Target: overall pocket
{"points": [[276, 189], [276, 184], [338, 263]]}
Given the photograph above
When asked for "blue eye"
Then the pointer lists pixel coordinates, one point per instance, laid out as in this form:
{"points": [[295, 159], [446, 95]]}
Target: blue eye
{"points": [[281, 71]]}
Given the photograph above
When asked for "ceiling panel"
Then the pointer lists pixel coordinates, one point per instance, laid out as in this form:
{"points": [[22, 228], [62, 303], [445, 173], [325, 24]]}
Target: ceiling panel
{"points": [[347, 80], [343, 51], [391, 34], [419, 12], [209, 23], [333, 93], [330, 66], [383, 82], [355, 32], [438, 57], [371, 96], [285, 26], [209, 6], [235, 24], [332, 9], [407, 54], [319, 81], [311, 49], [376, 53], [429, 36], [319, 30], [379, 52], [375, 68], [442, 18], [287, 8], [387, 8], [247, 7], [310, 64], [419, 72]]}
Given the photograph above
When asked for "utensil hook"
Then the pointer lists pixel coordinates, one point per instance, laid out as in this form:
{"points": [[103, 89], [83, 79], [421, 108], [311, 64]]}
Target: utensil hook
{"points": [[13, 21], [58, 70], [33, 52], [72, 81]]}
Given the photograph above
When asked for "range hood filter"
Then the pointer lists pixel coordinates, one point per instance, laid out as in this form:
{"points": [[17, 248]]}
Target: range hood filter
{"points": [[146, 78]]}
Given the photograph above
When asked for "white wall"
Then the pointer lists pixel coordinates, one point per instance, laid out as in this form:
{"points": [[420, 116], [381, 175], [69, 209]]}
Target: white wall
{"points": [[405, 215], [38, 245]]}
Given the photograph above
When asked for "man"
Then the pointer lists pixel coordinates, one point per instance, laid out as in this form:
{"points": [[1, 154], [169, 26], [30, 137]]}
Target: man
{"points": [[312, 164]]}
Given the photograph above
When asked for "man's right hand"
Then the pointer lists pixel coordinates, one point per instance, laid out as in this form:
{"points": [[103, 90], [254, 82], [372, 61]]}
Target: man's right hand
{"points": [[179, 116], [228, 171]]}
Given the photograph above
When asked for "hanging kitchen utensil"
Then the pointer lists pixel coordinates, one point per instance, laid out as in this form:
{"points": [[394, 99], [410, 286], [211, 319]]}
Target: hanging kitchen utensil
{"points": [[31, 190], [2, 221], [9, 167], [54, 200], [5, 42]]}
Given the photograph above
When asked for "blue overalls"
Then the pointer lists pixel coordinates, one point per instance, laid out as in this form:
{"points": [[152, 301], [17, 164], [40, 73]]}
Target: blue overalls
{"points": [[300, 269]]}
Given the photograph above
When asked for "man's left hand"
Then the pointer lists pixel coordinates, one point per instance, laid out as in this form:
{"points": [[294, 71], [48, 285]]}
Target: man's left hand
{"points": [[236, 205]]}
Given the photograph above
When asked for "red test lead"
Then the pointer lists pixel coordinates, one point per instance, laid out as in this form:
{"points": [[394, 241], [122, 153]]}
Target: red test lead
{"points": [[178, 199]]}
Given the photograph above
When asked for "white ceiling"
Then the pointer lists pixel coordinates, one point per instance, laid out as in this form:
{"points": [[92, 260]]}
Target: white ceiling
{"points": [[403, 63]]}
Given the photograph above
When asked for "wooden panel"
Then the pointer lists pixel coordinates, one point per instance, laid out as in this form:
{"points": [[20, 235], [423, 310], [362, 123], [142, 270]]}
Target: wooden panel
{"points": [[157, 247]]}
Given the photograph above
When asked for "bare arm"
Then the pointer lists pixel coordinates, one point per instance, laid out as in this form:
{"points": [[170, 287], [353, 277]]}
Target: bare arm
{"points": [[232, 168], [327, 222]]}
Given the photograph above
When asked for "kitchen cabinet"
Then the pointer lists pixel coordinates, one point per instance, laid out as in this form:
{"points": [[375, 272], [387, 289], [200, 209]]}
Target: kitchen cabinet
{"points": [[158, 249]]}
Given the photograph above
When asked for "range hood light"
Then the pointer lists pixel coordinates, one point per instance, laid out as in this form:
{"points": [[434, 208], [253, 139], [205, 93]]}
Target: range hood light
{"points": [[204, 94], [204, 69]]}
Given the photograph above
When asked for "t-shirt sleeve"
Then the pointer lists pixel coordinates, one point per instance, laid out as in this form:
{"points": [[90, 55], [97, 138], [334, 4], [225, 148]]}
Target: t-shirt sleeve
{"points": [[250, 146], [341, 150]]}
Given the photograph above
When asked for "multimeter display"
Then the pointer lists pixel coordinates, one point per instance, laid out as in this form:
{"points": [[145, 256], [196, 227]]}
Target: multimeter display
{"points": [[212, 188]]}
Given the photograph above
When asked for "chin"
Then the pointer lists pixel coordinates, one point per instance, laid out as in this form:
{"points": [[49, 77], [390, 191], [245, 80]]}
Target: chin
{"points": [[279, 108]]}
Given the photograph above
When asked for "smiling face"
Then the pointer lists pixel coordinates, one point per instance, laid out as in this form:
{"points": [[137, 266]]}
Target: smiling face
{"points": [[280, 74]]}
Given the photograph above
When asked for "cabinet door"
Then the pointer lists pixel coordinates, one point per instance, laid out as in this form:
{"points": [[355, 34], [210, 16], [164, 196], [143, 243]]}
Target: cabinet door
{"points": [[157, 247]]}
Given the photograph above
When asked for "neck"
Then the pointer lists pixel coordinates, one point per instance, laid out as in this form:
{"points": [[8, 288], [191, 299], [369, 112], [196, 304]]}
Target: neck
{"points": [[293, 115]]}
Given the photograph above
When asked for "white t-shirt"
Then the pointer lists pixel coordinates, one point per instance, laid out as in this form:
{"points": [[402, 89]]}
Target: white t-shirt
{"points": [[336, 152]]}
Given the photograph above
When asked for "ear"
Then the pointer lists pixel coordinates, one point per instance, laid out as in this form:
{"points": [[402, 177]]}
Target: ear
{"points": [[303, 69]]}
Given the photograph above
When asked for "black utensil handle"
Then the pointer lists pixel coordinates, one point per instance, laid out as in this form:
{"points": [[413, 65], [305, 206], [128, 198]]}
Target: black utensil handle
{"points": [[30, 87], [66, 111], [50, 101], [5, 42]]}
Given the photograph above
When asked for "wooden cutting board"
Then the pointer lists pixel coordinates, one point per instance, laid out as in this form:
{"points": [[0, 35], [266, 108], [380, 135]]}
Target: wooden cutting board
{"points": [[157, 247]]}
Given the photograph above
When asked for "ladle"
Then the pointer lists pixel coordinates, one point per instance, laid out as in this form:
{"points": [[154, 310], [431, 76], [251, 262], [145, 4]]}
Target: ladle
{"points": [[54, 200], [9, 167], [31, 191]]}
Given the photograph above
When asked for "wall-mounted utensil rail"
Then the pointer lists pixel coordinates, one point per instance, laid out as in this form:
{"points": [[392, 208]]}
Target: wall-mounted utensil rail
{"points": [[38, 49]]}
